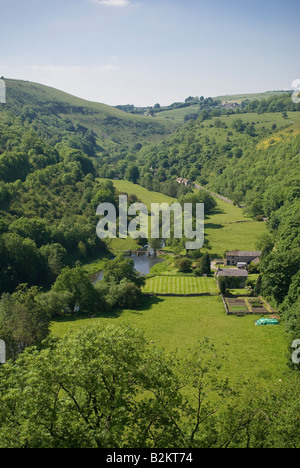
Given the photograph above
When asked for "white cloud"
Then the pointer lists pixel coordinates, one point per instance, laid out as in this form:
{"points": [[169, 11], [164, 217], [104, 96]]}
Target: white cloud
{"points": [[113, 3]]}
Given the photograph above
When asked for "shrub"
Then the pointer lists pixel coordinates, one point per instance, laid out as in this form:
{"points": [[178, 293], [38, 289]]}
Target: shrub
{"points": [[184, 265]]}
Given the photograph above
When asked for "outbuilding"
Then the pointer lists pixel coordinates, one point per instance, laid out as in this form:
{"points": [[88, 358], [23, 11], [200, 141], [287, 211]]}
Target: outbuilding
{"points": [[235, 277]]}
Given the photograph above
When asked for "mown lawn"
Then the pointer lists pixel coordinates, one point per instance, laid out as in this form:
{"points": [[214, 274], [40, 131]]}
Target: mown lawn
{"points": [[180, 285], [178, 323]]}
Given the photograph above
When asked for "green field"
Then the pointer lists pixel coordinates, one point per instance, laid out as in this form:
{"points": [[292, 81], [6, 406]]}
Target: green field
{"points": [[226, 229], [178, 323], [180, 285], [177, 115], [229, 229], [144, 195]]}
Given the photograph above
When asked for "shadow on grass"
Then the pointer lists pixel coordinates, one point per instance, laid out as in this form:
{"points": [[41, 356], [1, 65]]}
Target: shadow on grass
{"points": [[147, 303], [216, 211], [213, 226]]}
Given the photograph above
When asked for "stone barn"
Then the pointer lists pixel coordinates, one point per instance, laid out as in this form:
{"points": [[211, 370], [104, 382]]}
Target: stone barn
{"points": [[234, 257], [235, 278]]}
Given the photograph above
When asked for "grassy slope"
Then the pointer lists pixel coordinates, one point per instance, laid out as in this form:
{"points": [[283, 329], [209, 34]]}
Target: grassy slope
{"points": [[179, 323], [112, 126], [143, 194], [230, 229], [177, 115]]}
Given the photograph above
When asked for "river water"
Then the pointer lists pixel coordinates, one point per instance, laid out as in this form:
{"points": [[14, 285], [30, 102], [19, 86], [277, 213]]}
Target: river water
{"points": [[142, 263]]}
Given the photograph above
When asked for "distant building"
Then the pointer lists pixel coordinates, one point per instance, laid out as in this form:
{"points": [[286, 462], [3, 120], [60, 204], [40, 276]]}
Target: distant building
{"points": [[231, 105], [234, 257], [181, 181]]}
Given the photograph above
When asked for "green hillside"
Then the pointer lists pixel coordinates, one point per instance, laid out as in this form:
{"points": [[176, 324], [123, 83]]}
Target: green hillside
{"points": [[57, 114]]}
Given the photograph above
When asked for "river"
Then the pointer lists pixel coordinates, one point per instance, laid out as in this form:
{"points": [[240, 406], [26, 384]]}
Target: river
{"points": [[142, 263]]}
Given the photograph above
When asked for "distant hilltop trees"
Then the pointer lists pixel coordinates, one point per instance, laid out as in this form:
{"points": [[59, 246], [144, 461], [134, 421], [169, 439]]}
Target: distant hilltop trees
{"points": [[215, 107]]}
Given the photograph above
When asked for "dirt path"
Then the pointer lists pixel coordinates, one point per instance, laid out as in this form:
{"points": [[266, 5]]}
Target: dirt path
{"points": [[199, 187]]}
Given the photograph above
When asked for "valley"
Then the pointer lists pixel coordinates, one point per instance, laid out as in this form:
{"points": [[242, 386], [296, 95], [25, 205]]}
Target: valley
{"points": [[61, 157]]}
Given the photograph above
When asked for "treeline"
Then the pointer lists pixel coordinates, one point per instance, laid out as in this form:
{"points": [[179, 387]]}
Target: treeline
{"points": [[191, 153], [280, 103], [190, 101], [275, 103]]}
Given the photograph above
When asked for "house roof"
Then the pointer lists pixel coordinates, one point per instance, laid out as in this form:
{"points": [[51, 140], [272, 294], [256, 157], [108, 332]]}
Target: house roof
{"points": [[233, 272], [179, 179], [242, 253]]}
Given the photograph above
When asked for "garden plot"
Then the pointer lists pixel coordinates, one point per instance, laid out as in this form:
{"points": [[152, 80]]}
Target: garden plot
{"points": [[248, 305]]}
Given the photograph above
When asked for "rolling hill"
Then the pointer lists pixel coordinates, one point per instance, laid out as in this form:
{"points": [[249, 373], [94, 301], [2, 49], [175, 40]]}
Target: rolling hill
{"points": [[56, 114]]}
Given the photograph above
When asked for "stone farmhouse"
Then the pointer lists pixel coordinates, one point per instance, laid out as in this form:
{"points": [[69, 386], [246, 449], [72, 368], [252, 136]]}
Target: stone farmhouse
{"points": [[234, 257]]}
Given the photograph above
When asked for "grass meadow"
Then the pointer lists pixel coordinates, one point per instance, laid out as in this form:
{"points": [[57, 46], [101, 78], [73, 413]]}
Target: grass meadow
{"points": [[229, 229], [179, 323], [144, 195]]}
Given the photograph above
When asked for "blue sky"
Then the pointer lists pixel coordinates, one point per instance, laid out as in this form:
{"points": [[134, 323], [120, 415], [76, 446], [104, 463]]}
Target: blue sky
{"points": [[147, 51]]}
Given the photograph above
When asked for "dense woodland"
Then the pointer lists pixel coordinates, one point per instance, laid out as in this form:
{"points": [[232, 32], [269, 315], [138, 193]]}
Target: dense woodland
{"points": [[48, 197]]}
